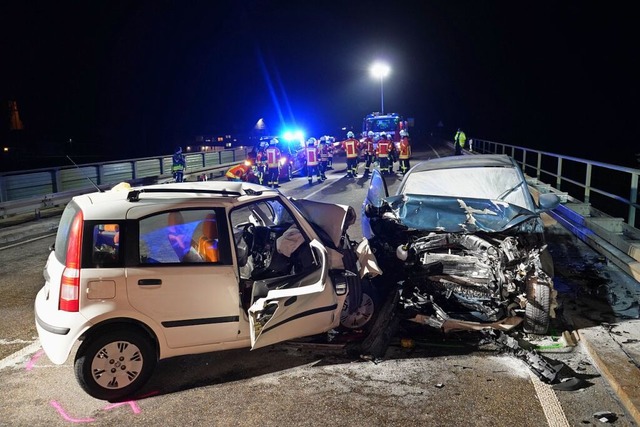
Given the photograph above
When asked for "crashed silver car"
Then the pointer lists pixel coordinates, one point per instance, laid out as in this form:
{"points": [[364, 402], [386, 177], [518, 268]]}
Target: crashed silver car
{"points": [[463, 241]]}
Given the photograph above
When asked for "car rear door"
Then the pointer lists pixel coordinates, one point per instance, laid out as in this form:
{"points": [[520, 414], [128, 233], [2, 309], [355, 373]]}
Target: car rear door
{"points": [[192, 301]]}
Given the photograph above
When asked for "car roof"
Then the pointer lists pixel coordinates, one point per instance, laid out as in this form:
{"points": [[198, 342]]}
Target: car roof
{"points": [[116, 202], [465, 161]]}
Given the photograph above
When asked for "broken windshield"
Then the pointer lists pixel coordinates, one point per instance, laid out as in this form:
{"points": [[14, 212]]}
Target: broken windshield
{"points": [[455, 214], [493, 183]]}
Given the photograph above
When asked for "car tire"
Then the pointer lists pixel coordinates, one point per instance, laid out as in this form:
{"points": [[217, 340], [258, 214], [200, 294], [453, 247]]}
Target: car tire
{"points": [[364, 315], [546, 262], [115, 365], [382, 329], [538, 308]]}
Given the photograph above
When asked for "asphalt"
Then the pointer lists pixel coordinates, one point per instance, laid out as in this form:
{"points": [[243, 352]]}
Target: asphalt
{"points": [[614, 347]]}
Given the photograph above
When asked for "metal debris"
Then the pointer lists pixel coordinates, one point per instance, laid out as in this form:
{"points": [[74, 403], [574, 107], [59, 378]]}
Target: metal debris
{"points": [[570, 384], [538, 364], [605, 416]]}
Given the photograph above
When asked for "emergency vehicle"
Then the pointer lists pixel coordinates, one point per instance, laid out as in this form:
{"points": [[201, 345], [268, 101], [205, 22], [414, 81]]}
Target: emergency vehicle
{"points": [[391, 124]]}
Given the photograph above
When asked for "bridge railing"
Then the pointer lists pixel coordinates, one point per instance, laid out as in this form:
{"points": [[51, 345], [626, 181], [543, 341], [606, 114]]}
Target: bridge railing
{"points": [[32, 190], [609, 188]]}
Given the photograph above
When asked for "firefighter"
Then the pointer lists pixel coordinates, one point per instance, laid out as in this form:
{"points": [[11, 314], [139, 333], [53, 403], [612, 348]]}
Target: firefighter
{"points": [[369, 153], [239, 172], [330, 147], [393, 153], [459, 142], [405, 152], [383, 153], [323, 151], [261, 162], [273, 163], [312, 157], [179, 165], [350, 146]]}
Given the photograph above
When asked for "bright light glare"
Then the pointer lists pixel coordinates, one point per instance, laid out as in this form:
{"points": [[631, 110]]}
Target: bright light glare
{"points": [[293, 135], [380, 70]]}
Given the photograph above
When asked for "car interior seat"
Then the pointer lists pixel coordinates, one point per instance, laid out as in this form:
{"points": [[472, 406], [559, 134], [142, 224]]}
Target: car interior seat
{"points": [[208, 242], [179, 242]]}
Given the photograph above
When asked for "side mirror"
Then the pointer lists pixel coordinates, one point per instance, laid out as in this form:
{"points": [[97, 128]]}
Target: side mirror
{"points": [[548, 201]]}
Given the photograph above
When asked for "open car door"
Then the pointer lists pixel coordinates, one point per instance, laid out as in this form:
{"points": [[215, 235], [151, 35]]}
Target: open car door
{"points": [[377, 193], [295, 306]]}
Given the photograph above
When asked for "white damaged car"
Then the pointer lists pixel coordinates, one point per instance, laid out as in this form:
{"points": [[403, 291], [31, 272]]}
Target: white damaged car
{"points": [[142, 274]]}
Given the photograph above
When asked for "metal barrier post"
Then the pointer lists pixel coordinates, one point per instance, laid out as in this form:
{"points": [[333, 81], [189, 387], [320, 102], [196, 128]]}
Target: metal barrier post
{"points": [[587, 184]]}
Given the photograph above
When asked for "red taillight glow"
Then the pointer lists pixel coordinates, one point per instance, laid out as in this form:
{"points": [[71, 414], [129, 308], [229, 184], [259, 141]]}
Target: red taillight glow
{"points": [[70, 281]]}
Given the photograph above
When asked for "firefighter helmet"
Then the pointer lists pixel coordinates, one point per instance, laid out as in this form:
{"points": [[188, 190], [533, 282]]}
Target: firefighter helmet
{"points": [[349, 134], [370, 134], [274, 141], [311, 142]]}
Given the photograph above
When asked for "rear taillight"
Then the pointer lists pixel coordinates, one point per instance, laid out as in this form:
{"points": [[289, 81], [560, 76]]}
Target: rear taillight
{"points": [[70, 282]]}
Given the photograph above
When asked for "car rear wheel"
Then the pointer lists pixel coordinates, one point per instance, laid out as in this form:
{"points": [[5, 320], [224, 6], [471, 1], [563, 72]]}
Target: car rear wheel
{"points": [[114, 365], [537, 310]]}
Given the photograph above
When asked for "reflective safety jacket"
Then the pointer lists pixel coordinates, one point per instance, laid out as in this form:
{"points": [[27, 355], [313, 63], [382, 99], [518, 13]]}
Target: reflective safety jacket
{"points": [[323, 150], [405, 148], [237, 171], [273, 157], [460, 138], [179, 162], [311, 154], [350, 146], [383, 148], [368, 146]]}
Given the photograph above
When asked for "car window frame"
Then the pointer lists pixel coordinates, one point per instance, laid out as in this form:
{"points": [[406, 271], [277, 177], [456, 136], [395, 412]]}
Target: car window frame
{"points": [[224, 244]]}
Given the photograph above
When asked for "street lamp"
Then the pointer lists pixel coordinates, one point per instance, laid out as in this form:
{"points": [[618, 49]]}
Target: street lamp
{"points": [[380, 70]]}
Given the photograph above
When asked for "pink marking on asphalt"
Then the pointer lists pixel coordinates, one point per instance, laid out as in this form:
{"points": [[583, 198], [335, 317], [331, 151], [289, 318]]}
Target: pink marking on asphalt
{"points": [[34, 359], [134, 406], [67, 417]]}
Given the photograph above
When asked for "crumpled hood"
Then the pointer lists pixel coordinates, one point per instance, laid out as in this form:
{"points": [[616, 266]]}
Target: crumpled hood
{"points": [[456, 215]]}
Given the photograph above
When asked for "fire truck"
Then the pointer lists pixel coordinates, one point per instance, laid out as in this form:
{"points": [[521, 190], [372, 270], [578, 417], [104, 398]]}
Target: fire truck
{"points": [[391, 124]]}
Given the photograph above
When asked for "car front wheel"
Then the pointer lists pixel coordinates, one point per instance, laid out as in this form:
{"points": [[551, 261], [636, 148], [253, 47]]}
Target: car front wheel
{"points": [[538, 308], [362, 316], [114, 365]]}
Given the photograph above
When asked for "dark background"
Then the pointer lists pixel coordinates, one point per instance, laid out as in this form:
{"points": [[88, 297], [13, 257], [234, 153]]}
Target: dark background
{"points": [[120, 79]]}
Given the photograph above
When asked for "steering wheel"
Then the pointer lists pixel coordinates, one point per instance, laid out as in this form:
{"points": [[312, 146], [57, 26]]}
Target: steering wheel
{"points": [[248, 231]]}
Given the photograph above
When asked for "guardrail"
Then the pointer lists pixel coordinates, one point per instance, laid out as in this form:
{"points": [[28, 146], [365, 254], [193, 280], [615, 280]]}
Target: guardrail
{"points": [[610, 188], [599, 205], [34, 190]]}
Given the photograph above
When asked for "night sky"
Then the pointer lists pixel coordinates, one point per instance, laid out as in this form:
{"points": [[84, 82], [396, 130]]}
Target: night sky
{"points": [[138, 77]]}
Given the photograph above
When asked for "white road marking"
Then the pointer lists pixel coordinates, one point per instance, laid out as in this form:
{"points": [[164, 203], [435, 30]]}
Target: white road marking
{"points": [[550, 403], [6, 342], [20, 356]]}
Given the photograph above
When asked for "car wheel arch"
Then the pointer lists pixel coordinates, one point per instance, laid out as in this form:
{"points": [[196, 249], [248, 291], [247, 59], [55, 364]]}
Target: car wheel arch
{"points": [[108, 369], [128, 323]]}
